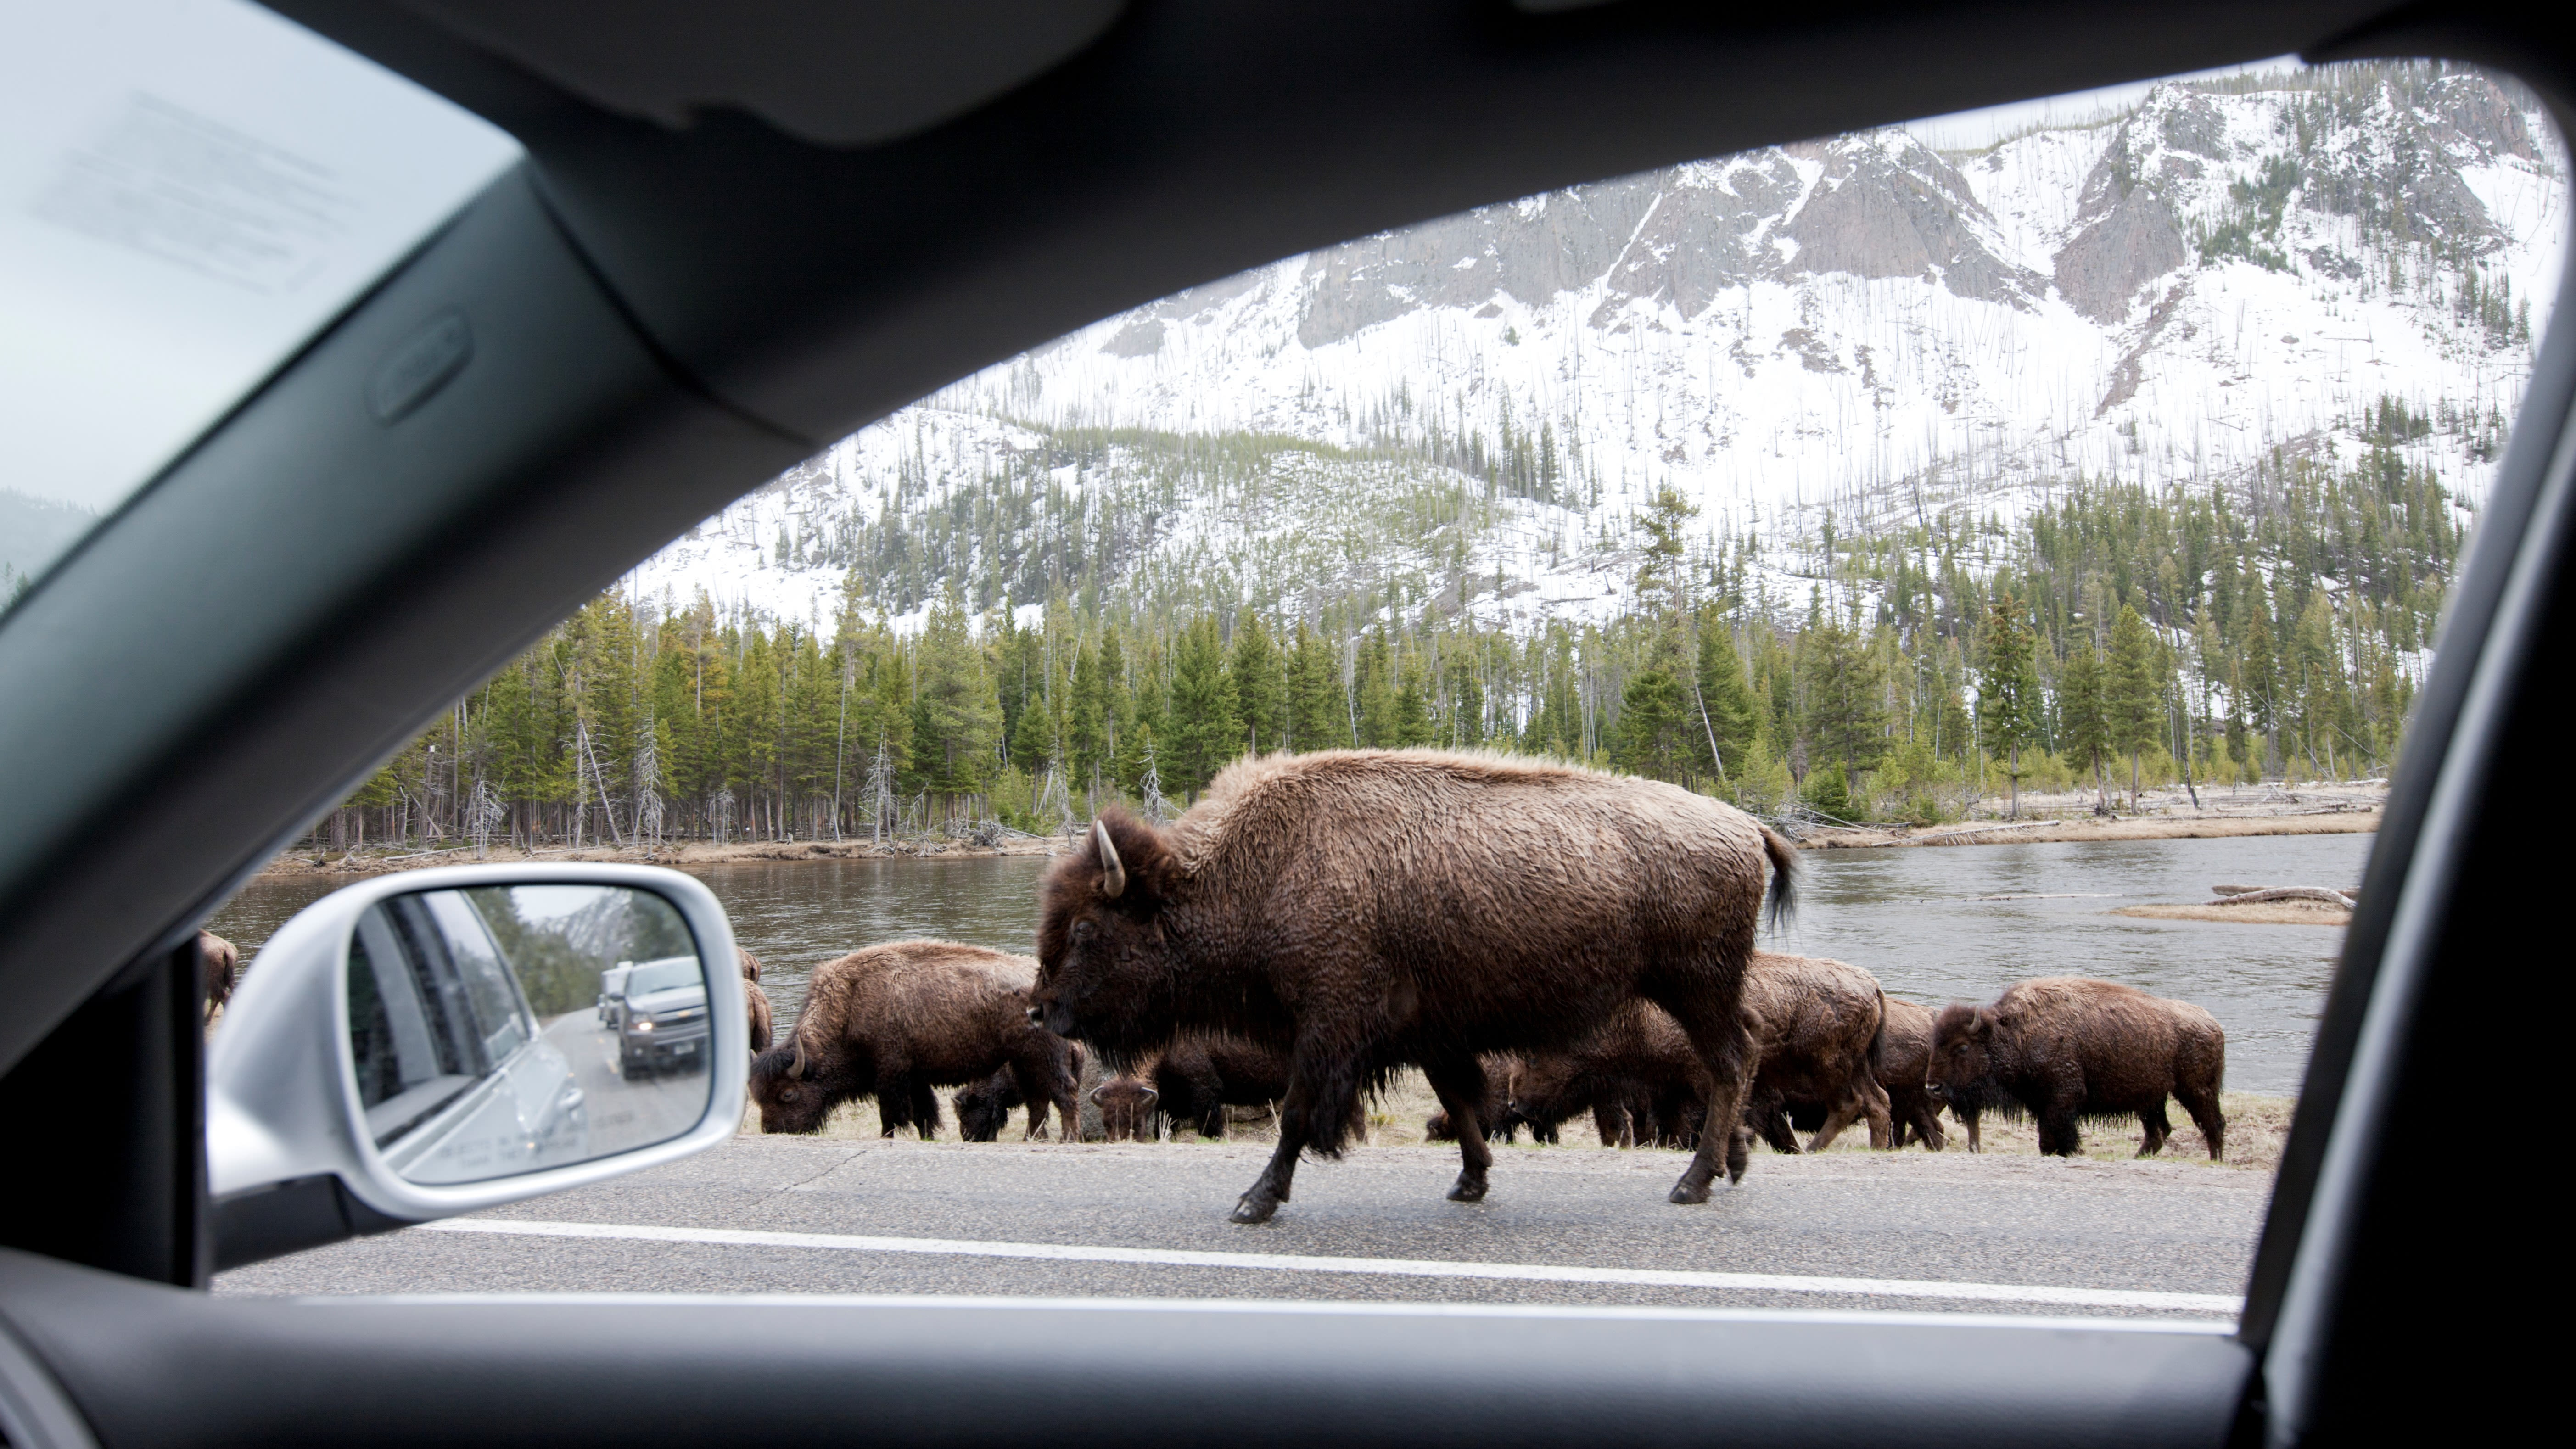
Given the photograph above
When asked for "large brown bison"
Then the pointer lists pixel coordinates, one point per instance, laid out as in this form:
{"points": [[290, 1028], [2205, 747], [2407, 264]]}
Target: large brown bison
{"points": [[1817, 1024], [897, 1020], [984, 1108], [1366, 909], [2064, 1048], [219, 966]]}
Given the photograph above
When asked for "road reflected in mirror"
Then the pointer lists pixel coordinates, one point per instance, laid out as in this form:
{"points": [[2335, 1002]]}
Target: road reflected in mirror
{"points": [[502, 1030]]}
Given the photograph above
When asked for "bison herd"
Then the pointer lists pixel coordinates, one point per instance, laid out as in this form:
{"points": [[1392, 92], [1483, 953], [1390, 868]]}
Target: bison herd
{"points": [[1541, 941]]}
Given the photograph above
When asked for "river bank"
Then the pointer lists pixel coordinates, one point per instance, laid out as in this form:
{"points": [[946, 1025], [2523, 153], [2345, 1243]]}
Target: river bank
{"points": [[679, 854], [2334, 808]]}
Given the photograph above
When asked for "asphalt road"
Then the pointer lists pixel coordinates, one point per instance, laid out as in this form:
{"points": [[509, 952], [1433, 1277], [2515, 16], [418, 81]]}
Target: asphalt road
{"points": [[1915, 1232], [625, 1113]]}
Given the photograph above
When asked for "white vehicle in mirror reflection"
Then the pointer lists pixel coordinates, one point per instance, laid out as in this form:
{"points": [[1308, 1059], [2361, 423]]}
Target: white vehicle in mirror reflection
{"points": [[456, 1079], [661, 1017]]}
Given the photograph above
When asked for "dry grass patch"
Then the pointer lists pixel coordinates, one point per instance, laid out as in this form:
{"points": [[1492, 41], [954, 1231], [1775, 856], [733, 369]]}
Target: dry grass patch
{"points": [[2257, 1126]]}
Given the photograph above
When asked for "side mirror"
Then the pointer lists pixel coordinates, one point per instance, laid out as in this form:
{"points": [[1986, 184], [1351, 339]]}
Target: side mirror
{"points": [[441, 1041]]}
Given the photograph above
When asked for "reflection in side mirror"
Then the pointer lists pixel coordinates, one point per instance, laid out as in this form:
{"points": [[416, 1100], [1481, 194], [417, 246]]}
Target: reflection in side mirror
{"points": [[487, 1040], [422, 1045]]}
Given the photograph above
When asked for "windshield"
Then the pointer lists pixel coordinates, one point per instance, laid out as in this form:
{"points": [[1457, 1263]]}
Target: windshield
{"points": [[655, 976], [2038, 520], [189, 189]]}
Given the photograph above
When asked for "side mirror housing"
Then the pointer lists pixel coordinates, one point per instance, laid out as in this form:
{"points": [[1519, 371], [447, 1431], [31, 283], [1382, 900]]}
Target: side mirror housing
{"points": [[441, 1041]]}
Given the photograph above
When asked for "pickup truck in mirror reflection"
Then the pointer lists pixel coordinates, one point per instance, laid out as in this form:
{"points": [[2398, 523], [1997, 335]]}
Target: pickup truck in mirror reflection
{"points": [[498, 1030], [661, 1017]]}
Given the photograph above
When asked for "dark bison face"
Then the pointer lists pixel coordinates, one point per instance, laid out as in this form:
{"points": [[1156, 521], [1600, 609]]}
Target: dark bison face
{"points": [[1962, 1054], [1126, 1108], [791, 1094], [984, 1108], [1103, 955]]}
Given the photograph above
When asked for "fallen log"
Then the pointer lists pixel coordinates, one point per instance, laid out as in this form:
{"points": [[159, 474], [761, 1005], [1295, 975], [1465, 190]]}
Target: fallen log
{"points": [[2319, 894]]}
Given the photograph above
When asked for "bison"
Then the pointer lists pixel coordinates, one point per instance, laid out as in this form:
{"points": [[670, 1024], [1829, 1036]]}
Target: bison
{"points": [[1904, 1065], [1637, 1076], [1191, 1083], [897, 1020], [1363, 909], [1502, 1073], [984, 1108], [755, 1002], [219, 966], [1818, 1026], [2063, 1048]]}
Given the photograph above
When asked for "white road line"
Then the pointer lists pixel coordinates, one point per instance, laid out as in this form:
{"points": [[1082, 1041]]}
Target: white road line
{"points": [[2222, 1303]]}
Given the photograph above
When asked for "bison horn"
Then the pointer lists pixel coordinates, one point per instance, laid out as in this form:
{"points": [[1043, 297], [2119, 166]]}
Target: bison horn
{"points": [[1096, 1091], [1113, 876], [796, 1068], [1152, 1096]]}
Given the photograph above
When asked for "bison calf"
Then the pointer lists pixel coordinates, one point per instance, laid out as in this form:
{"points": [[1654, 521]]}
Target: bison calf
{"points": [[2064, 1048], [1817, 1027], [897, 1020], [984, 1108], [1192, 1082], [1905, 1066]]}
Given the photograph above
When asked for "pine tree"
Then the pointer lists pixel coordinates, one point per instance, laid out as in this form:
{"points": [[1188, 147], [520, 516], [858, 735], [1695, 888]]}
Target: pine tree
{"points": [[957, 715], [2083, 719], [1205, 732], [1727, 716], [1316, 717], [1653, 735], [1260, 690], [2008, 701], [1846, 714], [2132, 693]]}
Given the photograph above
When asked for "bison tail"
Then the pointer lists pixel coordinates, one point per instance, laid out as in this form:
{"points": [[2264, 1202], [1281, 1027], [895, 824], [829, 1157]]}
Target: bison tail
{"points": [[1784, 885], [1878, 1042]]}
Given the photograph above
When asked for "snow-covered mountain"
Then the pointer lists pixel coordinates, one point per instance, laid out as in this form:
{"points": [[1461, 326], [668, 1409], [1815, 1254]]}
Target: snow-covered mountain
{"points": [[1470, 411]]}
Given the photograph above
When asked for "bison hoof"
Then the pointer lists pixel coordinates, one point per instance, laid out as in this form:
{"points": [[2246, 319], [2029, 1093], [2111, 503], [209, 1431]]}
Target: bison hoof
{"points": [[1468, 1190], [1687, 1192], [1253, 1210]]}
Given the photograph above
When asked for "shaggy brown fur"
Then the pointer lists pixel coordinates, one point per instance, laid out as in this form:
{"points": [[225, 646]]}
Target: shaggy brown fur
{"points": [[219, 966], [1366, 909], [897, 1020], [984, 1108], [1905, 1063], [2064, 1048], [1817, 1024], [750, 964]]}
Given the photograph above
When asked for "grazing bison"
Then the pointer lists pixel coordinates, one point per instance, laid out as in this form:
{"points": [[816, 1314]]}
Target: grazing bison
{"points": [[1817, 1026], [1637, 1076], [984, 1108], [1192, 1082], [219, 966], [2063, 1048], [1905, 1064], [1365, 909], [1502, 1073], [897, 1020]]}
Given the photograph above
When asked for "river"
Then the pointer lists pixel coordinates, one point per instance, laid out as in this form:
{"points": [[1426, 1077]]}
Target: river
{"points": [[1937, 924]]}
